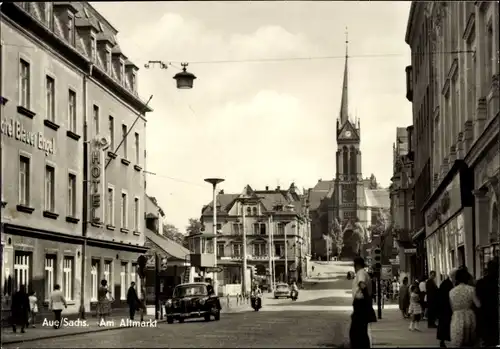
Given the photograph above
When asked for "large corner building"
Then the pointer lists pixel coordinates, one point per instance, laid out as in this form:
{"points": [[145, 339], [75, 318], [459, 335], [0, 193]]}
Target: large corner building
{"points": [[62, 69]]}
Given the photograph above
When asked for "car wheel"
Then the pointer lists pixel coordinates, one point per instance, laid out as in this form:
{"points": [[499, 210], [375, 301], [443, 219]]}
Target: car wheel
{"points": [[170, 320], [276, 297], [217, 315], [181, 320]]}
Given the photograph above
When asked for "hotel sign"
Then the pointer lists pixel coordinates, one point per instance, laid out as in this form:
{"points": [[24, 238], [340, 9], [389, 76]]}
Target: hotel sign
{"points": [[14, 129], [96, 182]]}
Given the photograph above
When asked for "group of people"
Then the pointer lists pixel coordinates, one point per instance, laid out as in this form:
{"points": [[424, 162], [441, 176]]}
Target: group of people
{"points": [[24, 306], [464, 312]]}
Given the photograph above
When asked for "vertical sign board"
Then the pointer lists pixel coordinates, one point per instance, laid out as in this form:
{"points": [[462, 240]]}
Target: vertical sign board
{"points": [[96, 183]]}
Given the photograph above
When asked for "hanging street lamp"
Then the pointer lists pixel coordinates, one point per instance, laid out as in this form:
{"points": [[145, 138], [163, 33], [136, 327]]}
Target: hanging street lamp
{"points": [[184, 78]]}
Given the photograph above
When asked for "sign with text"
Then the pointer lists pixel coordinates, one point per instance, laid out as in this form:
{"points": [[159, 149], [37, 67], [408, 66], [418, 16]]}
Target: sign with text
{"points": [[14, 129], [96, 182]]}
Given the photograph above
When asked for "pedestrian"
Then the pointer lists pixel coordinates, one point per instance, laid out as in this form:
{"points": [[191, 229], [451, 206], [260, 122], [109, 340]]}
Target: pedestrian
{"points": [[404, 298], [132, 300], [57, 304], [415, 309], [104, 300], [487, 295], [33, 308], [444, 311], [363, 313], [19, 309], [423, 296], [463, 319], [431, 290], [395, 288]]}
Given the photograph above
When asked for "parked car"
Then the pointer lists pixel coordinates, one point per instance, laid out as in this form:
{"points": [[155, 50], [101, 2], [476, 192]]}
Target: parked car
{"points": [[282, 290], [193, 300]]}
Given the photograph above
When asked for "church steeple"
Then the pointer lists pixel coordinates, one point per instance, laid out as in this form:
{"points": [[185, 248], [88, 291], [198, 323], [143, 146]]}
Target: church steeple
{"points": [[344, 104]]}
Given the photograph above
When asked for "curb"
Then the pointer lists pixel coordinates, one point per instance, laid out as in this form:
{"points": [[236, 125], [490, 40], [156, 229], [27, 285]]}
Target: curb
{"points": [[69, 334]]}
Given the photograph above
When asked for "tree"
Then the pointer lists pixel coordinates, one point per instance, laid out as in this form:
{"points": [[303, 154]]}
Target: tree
{"points": [[194, 227], [337, 236], [171, 232]]}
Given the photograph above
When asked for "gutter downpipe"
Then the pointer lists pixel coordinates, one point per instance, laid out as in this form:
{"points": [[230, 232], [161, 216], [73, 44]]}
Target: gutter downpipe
{"points": [[84, 194]]}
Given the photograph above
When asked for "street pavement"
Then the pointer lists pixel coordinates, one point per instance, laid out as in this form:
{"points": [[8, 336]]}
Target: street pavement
{"points": [[319, 318]]}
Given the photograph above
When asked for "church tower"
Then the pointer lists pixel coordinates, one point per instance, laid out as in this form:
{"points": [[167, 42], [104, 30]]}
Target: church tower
{"points": [[348, 182]]}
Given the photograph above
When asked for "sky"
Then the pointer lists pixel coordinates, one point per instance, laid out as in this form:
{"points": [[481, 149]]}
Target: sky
{"points": [[252, 120]]}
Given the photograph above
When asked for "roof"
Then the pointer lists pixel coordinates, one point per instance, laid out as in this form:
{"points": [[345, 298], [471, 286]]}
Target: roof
{"points": [[172, 248], [224, 201], [320, 191], [377, 198]]}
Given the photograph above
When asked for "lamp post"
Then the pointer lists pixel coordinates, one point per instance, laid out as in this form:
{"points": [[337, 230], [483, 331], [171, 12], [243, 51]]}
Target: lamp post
{"points": [[214, 182]]}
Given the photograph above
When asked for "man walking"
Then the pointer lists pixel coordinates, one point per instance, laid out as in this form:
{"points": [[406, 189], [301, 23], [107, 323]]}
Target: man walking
{"points": [[363, 312], [132, 300], [432, 292]]}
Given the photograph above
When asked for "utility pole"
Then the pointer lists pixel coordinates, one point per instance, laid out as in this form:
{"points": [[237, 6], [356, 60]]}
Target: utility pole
{"points": [[273, 262], [286, 255], [244, 267], [269, 220]]}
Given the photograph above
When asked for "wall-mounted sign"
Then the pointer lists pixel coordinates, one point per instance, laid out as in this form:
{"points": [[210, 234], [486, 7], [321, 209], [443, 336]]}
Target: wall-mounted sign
{"points": [[96, 180], [410, 250], [14, 129]]}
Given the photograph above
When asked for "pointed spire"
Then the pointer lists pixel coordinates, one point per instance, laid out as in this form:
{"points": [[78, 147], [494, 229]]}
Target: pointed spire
{"points": [[344, 104]]}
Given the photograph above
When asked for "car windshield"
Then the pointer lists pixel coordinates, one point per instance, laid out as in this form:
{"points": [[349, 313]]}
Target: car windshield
{"points": [[282, 287], [190, 290]]}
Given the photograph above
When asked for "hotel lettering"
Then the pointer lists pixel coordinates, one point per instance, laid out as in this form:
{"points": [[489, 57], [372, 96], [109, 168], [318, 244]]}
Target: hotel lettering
{"points": [[95, 184], [14, 129]]}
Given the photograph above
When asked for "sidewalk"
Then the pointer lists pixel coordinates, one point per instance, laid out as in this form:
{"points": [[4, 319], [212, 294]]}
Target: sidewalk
{"points": [[72, 328], [392, 331]]}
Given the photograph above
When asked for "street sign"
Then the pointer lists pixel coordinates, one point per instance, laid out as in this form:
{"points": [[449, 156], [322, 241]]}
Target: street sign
{"points": [[214, 269]]}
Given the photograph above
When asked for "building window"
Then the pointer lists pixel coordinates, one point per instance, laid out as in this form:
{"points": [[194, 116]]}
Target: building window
{"points": [[124, 139], [254, 211], [112, 133], [50, 100], [259, 250], [278, 249], [71, 30], [24, 180], [107, 275], [50, 275], [72, 111], [68, 278], [71, 195], [137, 149], [93, 48], [94, 279], [134, 82], [137, 215], [123, 281], [236, 228], [24, 82], [49, 189], [249, 211], [490, 53], [110, 214], [124, 213], [220, 250], [95, 118], [107, 61], [122, 72], [237, 250], [259, 228], [22, 263], [281, 229]]}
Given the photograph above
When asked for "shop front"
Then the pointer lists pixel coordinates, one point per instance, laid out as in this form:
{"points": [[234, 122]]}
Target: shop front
{"points": [[448, 220]]}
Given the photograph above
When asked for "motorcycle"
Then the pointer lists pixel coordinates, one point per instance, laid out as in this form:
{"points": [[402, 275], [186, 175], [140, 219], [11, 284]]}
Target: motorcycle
{"points": [[294, 295], [256, 303]]}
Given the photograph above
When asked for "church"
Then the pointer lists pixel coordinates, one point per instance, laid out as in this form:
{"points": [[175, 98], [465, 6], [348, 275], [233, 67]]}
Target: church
{"points": [[348, 201]]}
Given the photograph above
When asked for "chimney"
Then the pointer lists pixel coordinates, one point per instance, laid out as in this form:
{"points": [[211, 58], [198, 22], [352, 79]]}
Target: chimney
{"points": [[221, 191], [267, 188], [319, 180], [278, 187]]}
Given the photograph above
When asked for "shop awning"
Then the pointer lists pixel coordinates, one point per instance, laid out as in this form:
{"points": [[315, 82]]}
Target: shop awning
{"points": [[172, 249]]}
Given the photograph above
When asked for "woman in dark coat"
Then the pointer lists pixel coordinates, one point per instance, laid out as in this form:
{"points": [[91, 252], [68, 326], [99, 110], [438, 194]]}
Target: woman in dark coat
{"points": [[444, 311], [20, 309], [404, 297]]}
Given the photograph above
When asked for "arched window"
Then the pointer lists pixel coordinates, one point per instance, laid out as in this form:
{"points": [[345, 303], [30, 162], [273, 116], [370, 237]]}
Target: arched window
{"points": [[494, 218], [345, 154], [254, 211], [249, 211], [354, 161]]}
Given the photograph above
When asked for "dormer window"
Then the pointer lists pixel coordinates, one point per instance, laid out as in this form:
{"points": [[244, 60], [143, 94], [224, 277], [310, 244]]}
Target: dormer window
{"points": [[71, 29], [107, 61], [93, 48], [133, 82], [122, 71]]}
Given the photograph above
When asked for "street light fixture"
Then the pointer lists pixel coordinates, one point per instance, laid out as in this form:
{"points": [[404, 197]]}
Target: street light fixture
{"points": [[184, 78], [214, 182]]}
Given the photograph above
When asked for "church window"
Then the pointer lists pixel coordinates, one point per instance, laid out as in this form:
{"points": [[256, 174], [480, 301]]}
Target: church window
{"points": [[353, 160], [345, 154]]}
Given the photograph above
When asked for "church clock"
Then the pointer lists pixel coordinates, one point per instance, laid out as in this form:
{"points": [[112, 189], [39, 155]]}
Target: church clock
{"points": [[349, 193]]}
